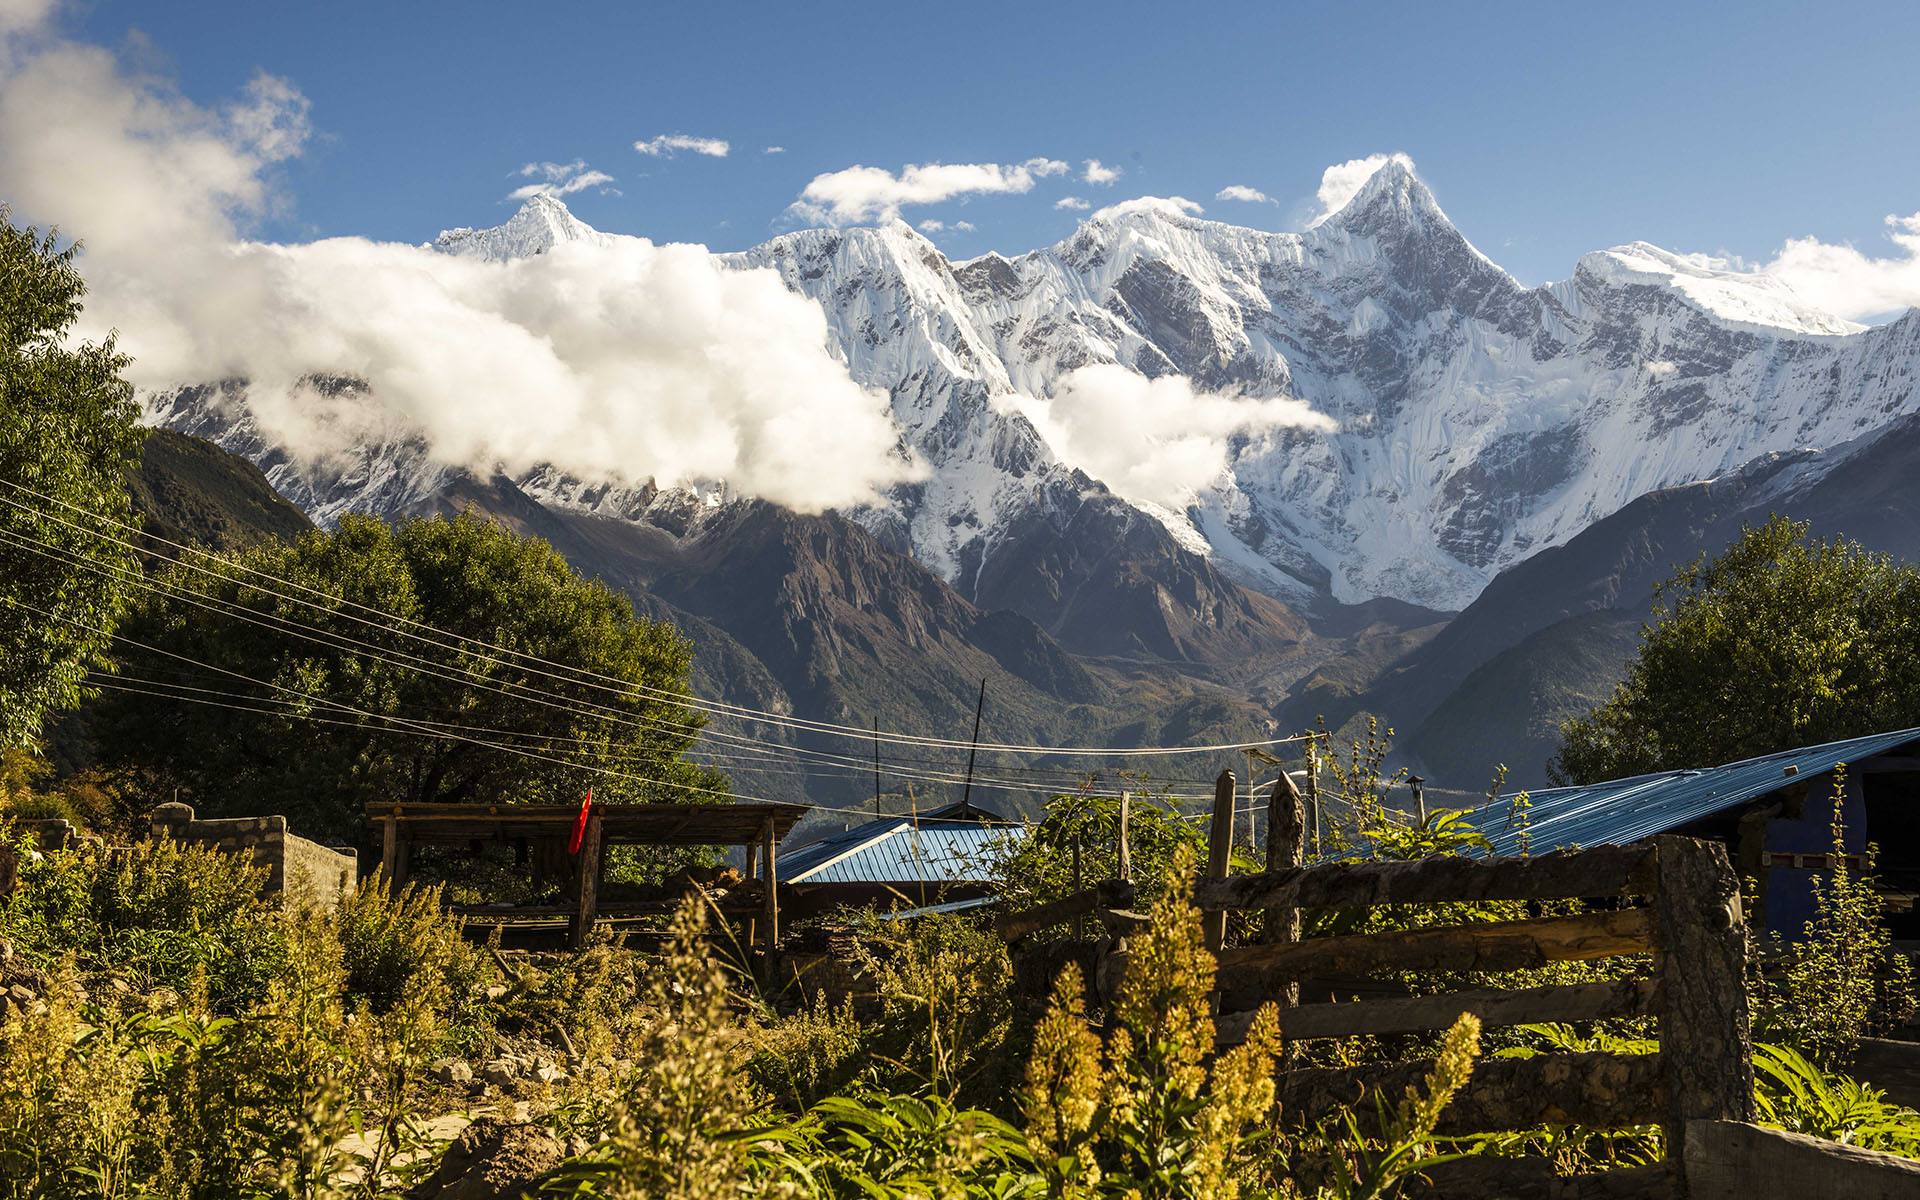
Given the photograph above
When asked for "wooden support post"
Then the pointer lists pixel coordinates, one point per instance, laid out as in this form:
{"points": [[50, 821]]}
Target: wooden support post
{"points": [[1219, 855], [587, 872], [753, 872], [1286, 847], [1700, 942], [1123, 852], [770, 872], [389, 848]]}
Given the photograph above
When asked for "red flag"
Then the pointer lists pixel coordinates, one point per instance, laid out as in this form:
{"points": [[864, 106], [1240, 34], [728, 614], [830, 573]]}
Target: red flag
{"points": [[580, 824]]}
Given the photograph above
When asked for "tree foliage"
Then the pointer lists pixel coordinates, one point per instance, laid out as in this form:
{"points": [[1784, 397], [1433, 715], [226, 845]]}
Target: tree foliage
{"points": [[1782, 641], [67, 430], [336, 712]]}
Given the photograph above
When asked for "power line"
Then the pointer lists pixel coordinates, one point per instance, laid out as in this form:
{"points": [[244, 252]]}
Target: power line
{"points": [[715, 708], [754, 766]]}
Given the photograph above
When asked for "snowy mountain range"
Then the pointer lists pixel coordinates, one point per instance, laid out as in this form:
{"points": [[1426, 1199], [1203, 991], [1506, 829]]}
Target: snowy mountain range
{"points": [[1466, 422], [1479, 421]]}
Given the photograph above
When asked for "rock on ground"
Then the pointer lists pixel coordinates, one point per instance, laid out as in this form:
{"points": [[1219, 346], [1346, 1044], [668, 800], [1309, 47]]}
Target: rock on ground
{"points": [[493, 1159]]}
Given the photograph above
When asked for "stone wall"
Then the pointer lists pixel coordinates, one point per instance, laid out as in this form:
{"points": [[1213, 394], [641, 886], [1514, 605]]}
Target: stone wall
{"points": [[293, 863]]}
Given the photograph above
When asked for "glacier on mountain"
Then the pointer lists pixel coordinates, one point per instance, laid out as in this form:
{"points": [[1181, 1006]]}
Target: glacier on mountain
{"points": [[1477, 420]]}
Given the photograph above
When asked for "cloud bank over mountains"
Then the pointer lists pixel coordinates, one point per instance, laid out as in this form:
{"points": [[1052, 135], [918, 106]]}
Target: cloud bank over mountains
{"points": [[617, 361]]}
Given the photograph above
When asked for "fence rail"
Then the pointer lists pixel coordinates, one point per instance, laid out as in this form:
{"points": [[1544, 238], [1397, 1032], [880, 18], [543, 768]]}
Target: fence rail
{"points": [[1672, 901]]}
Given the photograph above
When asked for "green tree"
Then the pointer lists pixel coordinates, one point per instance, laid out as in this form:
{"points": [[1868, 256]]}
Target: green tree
{"points": [[344, 712], [1782, 641], [68, 430]]}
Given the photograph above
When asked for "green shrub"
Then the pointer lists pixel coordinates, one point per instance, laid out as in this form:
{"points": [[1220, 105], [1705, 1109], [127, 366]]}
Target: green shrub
{"points": [[1799, 1097], [805, 1056], [1844, 980], [945, 989], [387, 939], [167, 914]]}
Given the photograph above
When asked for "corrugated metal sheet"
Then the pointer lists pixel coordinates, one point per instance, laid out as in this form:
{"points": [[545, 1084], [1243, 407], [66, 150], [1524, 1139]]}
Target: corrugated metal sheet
{"points": [[1626, 810], [894, 851]]}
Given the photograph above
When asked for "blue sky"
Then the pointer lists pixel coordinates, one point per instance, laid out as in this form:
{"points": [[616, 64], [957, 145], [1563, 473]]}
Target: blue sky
{"points": [[1545, 130]]}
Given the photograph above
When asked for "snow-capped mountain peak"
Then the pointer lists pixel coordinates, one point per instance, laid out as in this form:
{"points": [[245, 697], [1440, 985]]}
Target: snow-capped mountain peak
{"points": [[1479, 421], [1716, 285], [542, 223]]}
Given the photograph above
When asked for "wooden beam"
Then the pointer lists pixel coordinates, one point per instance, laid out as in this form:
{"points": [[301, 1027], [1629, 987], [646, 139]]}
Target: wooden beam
{"points": [[1592, 1088], [1728, 1160], [1412, 1014], [1213, 922], [1561, 875], [587, 872], [1479, 1176], [1108, 894], [1495, 946], [1701, 938]]}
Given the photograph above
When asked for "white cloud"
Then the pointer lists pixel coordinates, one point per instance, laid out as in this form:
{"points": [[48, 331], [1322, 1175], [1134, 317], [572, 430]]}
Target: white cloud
{"points": [[774, 150], [931, 226], [24, 16], [963, 226], [1842, 280], [616, 361], [1098, 173], [859, 194], [1173, 206], [1072, 202], [1153, 440], [1343, 181], [1240, 191], [667, 145], [560, 179]]}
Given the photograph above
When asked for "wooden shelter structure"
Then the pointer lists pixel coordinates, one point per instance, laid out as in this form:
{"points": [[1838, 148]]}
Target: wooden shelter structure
{"points": [[757, 828]]}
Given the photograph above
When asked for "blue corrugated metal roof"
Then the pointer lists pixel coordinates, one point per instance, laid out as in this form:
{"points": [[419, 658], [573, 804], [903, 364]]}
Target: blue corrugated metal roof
{"points": [[893, 850], [1626, 810]]}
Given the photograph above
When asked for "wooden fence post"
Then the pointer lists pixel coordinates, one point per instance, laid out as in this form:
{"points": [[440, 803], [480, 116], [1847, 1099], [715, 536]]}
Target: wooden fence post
{"points": [[1124, 853], [588, 873], [1219, 855], [1700, 941], [1286, 847]]}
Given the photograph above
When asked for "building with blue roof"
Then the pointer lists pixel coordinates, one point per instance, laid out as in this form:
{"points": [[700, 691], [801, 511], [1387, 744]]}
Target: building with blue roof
{"points": [[1773, 812], [937, 858]]}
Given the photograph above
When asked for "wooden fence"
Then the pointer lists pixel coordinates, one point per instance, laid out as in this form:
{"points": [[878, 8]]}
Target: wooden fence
{"points": [[1672, 899]]}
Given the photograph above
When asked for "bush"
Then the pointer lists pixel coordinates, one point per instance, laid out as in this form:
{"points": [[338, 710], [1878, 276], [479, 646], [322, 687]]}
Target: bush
{"points": [[1844, 980], [387, 940], [945, 989], [165, 913]]}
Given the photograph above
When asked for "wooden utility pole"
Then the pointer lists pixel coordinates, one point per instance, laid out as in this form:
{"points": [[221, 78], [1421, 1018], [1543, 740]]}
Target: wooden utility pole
{"points": [[979, 707], [876, 768], [1313, 790], [1219, 855]]}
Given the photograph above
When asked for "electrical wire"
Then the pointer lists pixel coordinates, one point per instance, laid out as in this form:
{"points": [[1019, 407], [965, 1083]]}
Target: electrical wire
{"points": [[715, 708]]}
